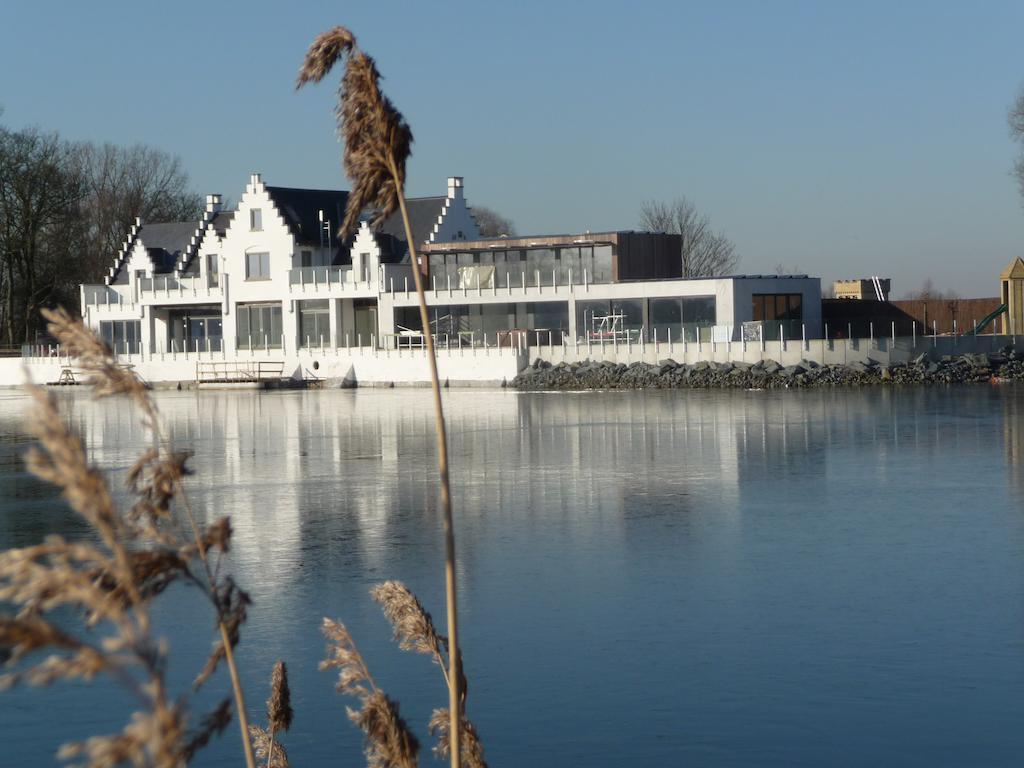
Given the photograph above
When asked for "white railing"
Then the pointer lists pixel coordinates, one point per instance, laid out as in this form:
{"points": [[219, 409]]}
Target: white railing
{"points": [[104, 296], [316, 277], [450, 281], [170, 285]]}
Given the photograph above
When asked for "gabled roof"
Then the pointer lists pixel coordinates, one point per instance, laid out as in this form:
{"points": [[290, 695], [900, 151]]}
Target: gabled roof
{"points": [[423, 215], [165, 242], [301, 211], [222, 221], [1014, 270]]}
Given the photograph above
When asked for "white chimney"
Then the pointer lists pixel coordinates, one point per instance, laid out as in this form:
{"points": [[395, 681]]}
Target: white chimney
{"points": [[213, 203], [254, 179], [454, 187]]}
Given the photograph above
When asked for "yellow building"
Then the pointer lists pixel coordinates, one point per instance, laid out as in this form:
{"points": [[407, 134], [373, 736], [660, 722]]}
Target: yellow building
{"points": [[861, 289], [1011, 293]]}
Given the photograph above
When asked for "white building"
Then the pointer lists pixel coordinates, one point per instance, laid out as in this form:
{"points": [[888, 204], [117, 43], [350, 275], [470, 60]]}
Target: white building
{"points": [[272, 276]]}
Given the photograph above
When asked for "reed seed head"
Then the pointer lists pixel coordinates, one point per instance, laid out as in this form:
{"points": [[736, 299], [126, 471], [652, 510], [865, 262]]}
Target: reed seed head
{"points": [[279, 709], [265, 746], [413, 626], [472, 750], [377, 139]]}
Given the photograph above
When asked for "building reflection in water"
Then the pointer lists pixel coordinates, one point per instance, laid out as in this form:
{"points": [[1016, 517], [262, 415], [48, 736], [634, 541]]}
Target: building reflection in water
{"points": [[351, 474]]}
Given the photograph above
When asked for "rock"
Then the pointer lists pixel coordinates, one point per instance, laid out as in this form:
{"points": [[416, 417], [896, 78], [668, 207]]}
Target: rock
{"points": [[792, 370]]}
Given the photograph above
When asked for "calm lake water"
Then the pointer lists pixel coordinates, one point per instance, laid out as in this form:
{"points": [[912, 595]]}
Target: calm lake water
{"points": [[659, 578]]}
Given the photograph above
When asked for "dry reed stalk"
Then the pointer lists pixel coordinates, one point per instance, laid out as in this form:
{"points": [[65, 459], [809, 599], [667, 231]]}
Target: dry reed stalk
{"points": [[111, 583], [389, 742], [143, 557], [377, 145], [414, 631]]}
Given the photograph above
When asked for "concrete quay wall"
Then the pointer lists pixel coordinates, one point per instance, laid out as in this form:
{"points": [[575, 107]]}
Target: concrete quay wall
{"points": [[355, 366], [483, 366]]}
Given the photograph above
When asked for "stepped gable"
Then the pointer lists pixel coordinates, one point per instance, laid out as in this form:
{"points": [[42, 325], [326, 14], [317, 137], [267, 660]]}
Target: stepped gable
{"points": [[300, 208]]}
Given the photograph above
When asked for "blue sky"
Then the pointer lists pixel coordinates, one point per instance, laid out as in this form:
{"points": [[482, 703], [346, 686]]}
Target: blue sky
{"points": [[848, 139]]}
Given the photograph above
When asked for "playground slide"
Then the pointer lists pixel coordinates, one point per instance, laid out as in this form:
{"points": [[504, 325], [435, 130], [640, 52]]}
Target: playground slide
{"points": [[989, 318]]}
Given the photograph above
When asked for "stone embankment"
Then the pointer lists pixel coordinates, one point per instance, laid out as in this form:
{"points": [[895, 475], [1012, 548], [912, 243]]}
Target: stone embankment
{"points": [[1007, 365]]}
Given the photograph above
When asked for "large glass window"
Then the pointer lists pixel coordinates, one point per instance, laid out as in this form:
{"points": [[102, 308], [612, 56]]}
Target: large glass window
{"points": [[682, 318], [616, 320], [259, 326], [781, 313], [315, 323], [257, 266], [122, 336]]}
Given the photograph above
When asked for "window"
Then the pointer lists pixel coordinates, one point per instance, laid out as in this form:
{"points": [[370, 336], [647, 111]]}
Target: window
{"points": [[257, 266], [314, 323], [259, 326], [306, 259], [255, 220], [778, 306], [122, 336], [212, 270]]}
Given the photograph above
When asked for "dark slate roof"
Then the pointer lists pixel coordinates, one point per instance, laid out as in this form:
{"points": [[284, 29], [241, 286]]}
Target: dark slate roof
{"points": [[301, 207], [165, 242], [222, 221], [423, 213]]}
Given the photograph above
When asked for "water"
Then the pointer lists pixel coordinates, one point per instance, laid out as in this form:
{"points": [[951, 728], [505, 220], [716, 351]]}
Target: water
{"points": [[662, 578]]}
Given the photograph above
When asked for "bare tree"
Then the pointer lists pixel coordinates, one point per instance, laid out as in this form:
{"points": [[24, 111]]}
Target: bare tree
{"points": [[128, 182], [1016, 120], [928, 292], [40, 219], [491, 223], [704, 252]]}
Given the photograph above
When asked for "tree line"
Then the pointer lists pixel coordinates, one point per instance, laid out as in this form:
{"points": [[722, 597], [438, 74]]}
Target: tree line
{"points": [[65, 208]]}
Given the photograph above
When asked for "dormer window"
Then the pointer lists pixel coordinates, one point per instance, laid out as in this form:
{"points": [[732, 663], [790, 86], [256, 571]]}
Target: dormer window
{"points": [[255, 220]]}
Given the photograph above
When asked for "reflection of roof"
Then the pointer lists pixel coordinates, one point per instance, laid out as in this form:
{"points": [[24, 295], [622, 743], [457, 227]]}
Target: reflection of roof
{"points": [[301, 211], [423, 215]]}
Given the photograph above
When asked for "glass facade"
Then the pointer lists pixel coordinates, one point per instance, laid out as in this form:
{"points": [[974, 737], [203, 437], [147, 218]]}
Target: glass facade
{"points": [[610, 320], [314, 323], [196, 329], [685, 318], [124, 337], [514, 267], [259, 326], [781, 314], [470, 323]]}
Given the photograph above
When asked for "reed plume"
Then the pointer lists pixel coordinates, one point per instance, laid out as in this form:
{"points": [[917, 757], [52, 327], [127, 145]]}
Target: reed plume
{"points": [[279, 718], [388, 741], [377, 144], [112, 582], [414, 631]]}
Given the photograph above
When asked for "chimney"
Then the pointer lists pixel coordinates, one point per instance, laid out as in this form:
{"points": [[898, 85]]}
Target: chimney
{"points": [[454, 187], [213, 204], [255, 179]]}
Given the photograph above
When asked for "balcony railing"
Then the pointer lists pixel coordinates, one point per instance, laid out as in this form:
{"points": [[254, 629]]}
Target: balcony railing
{"points": [[198, 285], [104, 296], [317, 277]]}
